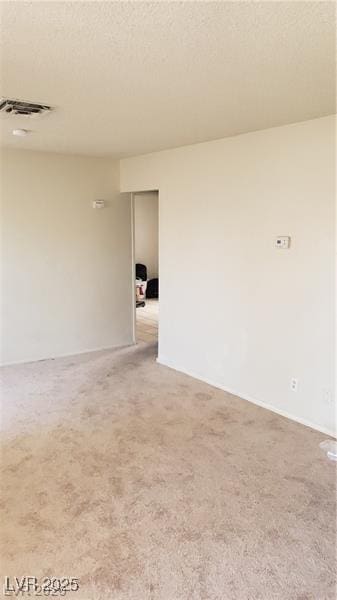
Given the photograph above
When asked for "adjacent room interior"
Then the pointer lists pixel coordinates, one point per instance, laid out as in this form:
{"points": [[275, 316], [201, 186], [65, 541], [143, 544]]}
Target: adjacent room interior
{"points": [[181, 156], [146, 248]]}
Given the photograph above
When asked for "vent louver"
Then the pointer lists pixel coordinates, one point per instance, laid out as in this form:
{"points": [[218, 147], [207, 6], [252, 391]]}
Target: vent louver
{"points": [[21, 108]]}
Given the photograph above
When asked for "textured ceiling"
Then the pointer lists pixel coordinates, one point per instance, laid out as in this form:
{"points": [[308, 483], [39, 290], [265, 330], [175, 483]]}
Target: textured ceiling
{"points": [[132, 77]]}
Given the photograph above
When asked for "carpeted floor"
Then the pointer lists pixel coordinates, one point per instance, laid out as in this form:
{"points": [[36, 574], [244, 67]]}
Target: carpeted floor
{"points": [[149, 485]]}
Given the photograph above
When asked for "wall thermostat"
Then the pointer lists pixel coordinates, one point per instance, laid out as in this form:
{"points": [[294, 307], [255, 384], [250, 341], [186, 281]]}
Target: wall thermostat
{"points": [[283, 241], [98, 204]]}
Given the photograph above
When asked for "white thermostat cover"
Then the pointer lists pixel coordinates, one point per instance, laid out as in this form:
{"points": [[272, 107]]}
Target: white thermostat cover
{"points": [[283, 241], [98, 204]]}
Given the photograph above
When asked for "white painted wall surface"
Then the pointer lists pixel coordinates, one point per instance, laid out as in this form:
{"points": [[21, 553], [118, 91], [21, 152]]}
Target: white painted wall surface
{"points": [[65, 284], [146, 231], [235, 310]]}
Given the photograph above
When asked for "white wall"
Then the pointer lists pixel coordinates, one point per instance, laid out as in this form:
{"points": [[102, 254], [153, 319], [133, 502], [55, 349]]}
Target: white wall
{"points": [[146, 231], [66, 284], [235, 310]]}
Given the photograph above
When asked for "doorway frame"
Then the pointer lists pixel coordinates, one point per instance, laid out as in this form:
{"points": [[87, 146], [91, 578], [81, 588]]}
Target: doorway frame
{"points": [[133, 264]]}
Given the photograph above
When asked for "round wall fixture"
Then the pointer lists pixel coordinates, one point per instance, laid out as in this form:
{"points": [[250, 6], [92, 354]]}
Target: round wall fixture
{"points": [[20, 132]]}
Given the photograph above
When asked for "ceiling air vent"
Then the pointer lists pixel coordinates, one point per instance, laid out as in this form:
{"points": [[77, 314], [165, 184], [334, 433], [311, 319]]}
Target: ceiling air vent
{"points": [[25, 109]]}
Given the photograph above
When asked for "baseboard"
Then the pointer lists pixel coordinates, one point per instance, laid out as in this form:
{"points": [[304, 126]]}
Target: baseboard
{"points": [[166, 363], [68, 355]]}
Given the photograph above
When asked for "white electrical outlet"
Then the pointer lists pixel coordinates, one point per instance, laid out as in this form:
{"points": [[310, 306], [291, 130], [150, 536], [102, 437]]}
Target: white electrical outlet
{"points": [[327, 396], [293, 384]]}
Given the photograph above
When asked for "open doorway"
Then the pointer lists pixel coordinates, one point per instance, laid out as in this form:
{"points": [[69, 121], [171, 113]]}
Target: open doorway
{"points": [[146, 259]]}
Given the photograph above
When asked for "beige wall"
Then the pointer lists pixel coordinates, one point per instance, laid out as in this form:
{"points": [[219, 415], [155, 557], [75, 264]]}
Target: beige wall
{"points": [[146, 231], [66, 284], [235, 310]]}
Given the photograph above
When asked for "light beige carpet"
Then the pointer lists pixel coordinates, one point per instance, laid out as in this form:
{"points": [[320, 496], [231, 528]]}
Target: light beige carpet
{"points": [[149, 485]]}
